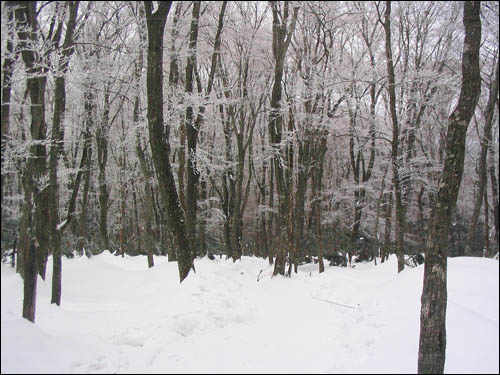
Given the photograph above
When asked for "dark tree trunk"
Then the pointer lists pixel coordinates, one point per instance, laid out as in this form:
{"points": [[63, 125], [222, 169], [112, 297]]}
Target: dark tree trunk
{"points": [[302, 178], [489, 112], [494, 193], [148, 204], [192, 134], [228, 183], [319, 152], [147, 234], [35, 208], [400, 209], [380, 202], [487, 248], [59, 112], [159, 135], [282, 34], [7, 71], [102, 159], [173, 81], [271, 240], [84, 167], [432, 345], [82, 230], [387, 249]]}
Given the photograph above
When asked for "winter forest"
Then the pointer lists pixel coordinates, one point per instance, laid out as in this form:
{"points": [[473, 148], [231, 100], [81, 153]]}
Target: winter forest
{"points": [[307, 134]]}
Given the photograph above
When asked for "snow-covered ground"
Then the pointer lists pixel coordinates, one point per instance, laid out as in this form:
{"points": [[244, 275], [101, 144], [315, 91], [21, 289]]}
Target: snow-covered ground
{"points": [[118, 316]]}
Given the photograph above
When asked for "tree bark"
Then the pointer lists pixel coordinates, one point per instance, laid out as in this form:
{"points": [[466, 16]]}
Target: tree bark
{"points": [[400, 209], [159, 136], [58, 117], [487, 247], [35, 210], [102, 159], [191, 132], [494, 194], [7, 71], [148, 204], [388, 226], [193, 126], [488, 115], [148, 235], [282, 34], [432, 344]]}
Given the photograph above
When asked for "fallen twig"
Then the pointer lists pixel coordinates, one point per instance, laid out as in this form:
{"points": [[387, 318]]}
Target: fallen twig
{"points": [[339, 304], [259, 275]]}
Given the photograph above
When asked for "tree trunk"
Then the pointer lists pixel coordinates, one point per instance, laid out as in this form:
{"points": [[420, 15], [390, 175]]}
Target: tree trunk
{"points": [[159, 135], [282, 34], [102, 158], [193, 126], [432, 345], [228, 183], [7, 71], [388, 226], [192, 134], [487, 248], [494, 193], [380, 201], [488, 114], [59, 112], [173, 81], [35, 210], [148, 203], [82, 231], [400, 210]]}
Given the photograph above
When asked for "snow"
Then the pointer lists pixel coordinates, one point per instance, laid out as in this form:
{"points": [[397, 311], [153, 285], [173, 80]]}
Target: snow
{"points": [[118, 316], [60, 225]]}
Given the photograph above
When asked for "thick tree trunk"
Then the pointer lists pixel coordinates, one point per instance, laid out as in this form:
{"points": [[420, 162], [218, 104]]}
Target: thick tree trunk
{"points": [[282, 34], [35, 210], [432, 345], [159, 136]]}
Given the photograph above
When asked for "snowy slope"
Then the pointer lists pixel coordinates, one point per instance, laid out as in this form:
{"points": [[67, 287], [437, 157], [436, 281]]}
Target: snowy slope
{"points": [[117, 316]]}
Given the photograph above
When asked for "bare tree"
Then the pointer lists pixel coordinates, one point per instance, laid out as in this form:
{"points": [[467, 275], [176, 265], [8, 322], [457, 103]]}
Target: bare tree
{"points": [[159, 134], [432, 345], [400, 209], [485, 144], [58, 116], [35, 210], [282, 35]]}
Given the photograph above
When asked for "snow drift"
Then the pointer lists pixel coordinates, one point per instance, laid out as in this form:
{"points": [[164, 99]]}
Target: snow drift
{"points": [[118, 316]]}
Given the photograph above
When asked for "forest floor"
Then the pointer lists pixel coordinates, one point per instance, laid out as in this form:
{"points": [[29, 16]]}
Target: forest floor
{"points": [[118, 316]]}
